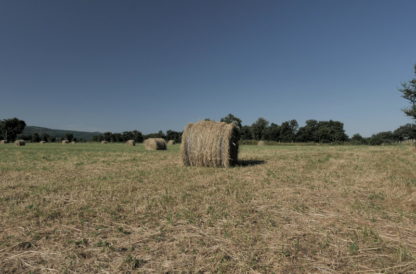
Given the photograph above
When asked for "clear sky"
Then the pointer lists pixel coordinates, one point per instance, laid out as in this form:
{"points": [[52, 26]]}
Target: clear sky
{"points": [[157, 65]]}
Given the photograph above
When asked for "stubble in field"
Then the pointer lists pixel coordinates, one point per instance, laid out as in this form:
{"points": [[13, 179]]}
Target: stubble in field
{"points": [[116, 208]]}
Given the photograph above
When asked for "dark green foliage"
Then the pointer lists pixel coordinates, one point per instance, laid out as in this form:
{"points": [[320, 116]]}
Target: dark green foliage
{"points": [[159, 134], [357, 139], [232, 119], [69, 137], [45, 137], [135, 135], [405, 132], [174, 135], [308, 132], [272, 133], [288, 131], [258, 128], [10, 128], [408, 91], [385, 137], [35, 138], [322, 132], [245, 133]]}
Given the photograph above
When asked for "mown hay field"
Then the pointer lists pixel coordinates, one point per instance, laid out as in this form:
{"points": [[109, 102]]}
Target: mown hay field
{"points": [[92, 208]]}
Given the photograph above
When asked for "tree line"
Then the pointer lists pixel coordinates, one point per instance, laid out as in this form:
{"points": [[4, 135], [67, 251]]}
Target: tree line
{"points": [[289, 131]]}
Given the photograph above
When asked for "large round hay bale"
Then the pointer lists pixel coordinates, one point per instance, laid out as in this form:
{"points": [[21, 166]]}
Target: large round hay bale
{"points": [[155, 144], [65, 142], [42, 142], [73, 142], [131, 142], [3, 142], [20, 143], [171, 142], [261, 143], [211, 144], [104, 142]]}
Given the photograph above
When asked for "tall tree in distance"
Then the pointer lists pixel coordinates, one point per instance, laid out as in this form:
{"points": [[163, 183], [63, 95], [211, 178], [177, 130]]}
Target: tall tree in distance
{"points": [[232, 119], [408, 91], [10, 128]]}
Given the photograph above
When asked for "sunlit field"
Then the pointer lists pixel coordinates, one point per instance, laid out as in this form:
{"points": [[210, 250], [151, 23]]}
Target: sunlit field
{"points": [[89, 208]]}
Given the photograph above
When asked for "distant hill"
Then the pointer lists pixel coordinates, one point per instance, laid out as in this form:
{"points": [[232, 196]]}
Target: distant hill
{"points": [[59, 133]]}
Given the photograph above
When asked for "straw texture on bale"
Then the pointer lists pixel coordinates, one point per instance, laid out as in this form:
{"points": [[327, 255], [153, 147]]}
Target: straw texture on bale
{"points": [[210, 144], [104, 142], [3, 142], [261, 143], [155, 144], [20, 143], [65, 142], [171, 142], [131, 142]]}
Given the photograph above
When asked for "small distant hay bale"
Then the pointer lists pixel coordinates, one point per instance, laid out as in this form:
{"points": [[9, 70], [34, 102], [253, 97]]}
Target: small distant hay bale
{"points": [[171, 142], [3, 142], [104, 142], [210, 144], [73, 142], [20, 143], [131, 142], [155, 144], [65, 142], [261, 143], [42, 142]]}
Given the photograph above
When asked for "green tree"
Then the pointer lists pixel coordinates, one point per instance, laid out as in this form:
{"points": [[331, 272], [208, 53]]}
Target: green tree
{"points": [[307, 133], [405, 132], [357, 139], [10, 128], [69, 137], [245, 133], [408, 91], [258, 128], [272, 133], [35, 138], [232, 119], [288, 131], [174, 135], [45, 137]]}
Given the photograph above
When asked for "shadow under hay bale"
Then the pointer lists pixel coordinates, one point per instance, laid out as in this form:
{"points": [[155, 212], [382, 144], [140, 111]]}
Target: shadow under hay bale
{"points": [[210, 144], [20, 143], [155, 144], [244, 163], [131, 142], [171, 142]]}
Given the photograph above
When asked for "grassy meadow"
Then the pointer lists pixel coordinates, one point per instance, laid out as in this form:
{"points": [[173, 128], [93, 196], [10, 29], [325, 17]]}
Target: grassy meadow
{"points": [[95, 208]]}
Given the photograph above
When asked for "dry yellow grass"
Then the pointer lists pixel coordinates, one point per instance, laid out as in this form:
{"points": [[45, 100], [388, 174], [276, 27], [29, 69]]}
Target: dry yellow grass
{"points": [[285, 209]]}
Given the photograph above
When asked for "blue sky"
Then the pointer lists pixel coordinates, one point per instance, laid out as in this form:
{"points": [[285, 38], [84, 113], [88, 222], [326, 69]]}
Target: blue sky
{"points": [[157, 65]]}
